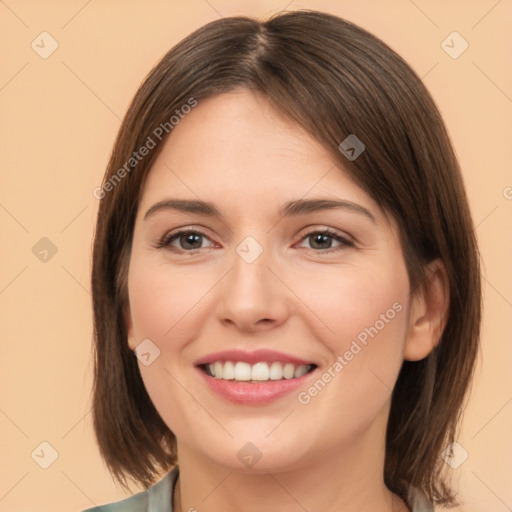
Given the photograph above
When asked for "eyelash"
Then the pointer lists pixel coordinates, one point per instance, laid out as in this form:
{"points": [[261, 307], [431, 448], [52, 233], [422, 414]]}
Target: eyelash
{"points": [[165, 241]]}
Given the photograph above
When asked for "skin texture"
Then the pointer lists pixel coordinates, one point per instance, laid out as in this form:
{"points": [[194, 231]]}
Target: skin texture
{"points": [[235, 151]]}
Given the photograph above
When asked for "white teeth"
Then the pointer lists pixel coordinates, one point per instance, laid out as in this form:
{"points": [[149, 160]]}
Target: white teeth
{"points": [[276, 371], [257, 372], [260, 371], [228, 372], [288, 371], [242, 371], [300, 371], [218, 370]]}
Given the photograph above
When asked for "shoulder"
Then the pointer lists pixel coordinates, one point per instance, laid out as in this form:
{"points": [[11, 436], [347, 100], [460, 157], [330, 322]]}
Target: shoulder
{"points": [[157, 498], [136, 503], [418, 501]]}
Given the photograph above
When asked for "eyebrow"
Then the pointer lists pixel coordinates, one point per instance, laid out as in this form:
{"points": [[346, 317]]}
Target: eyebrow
{"points": [[289, 209], [302, 206]]}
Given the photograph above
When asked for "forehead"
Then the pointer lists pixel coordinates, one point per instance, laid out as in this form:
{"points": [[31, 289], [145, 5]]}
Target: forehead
{"points": [[236, 147]]}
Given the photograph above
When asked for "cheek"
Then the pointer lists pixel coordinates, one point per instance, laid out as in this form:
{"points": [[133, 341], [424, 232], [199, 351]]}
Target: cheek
{"points": [[161, 299], [167, 306], [362, 319], [163, 302], [366, 309], [349, 300]]}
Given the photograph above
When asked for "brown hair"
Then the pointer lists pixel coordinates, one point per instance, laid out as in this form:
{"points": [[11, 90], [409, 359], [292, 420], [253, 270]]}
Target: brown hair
{"points": [[334, 79]]}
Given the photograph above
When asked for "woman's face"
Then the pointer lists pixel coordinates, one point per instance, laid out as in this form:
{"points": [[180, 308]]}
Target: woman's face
{"points": [[260, 273]]}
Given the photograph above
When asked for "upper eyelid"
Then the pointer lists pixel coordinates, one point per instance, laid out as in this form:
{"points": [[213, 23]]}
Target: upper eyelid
{"points": [[330, 231]]}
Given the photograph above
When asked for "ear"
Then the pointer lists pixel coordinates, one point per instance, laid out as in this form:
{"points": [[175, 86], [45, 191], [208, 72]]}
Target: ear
{"points": [[429, 312], [129, 325]]}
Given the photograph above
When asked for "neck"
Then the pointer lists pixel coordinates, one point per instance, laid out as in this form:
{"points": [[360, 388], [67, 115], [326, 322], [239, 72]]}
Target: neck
{"points": [[347, 478]]}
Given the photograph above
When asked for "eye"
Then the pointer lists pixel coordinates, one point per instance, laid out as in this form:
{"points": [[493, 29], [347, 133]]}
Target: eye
{"points": [[191, 240], [187, 240], [324, 239]]}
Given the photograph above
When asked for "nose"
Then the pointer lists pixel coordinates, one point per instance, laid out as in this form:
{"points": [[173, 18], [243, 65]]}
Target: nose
{"points": [[252, 298]]}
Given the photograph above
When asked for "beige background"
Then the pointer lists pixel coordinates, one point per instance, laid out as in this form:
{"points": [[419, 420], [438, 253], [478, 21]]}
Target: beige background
{"points": [[59, 117]]}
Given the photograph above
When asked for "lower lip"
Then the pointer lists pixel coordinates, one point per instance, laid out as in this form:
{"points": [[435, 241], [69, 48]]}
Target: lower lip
{"points": [[250, 393]]}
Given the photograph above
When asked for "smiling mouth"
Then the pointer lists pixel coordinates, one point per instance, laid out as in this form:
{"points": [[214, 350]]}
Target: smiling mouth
{"points": [[255, 373]]}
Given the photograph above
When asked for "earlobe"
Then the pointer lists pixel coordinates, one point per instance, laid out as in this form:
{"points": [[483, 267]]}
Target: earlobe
{"points": [[429, 311]]}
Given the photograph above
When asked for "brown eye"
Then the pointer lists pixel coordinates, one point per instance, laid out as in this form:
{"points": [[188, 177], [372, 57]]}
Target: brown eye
{"points": [[322, 240], [185, 241]]}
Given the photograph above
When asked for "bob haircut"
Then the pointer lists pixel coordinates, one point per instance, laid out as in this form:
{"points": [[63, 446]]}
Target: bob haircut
{"points": [[333, 79]]}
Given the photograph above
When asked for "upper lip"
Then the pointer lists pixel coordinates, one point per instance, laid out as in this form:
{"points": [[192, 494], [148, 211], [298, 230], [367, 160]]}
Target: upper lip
{"points": [[256, 356]]}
